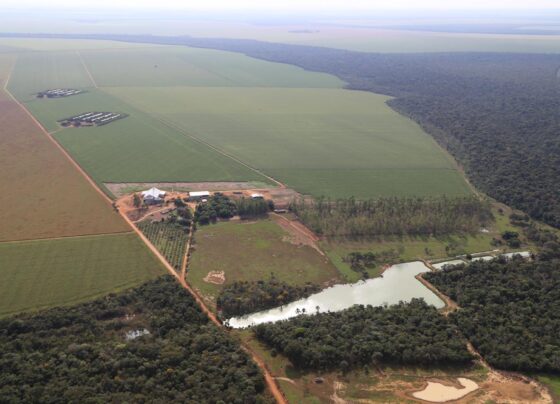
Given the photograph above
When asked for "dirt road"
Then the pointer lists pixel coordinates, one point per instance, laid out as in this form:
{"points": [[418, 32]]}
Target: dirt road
{"points": [[273, 387]]}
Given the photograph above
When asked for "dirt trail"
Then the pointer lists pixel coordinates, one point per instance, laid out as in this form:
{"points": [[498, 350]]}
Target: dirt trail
{"points": [[273, 387], [87, 69], [302, 234]]}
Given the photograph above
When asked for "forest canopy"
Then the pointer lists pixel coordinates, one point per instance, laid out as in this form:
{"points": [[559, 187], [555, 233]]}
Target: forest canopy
{"points": [[510, 310], [394, 216], [411, 334], [82, 353]]}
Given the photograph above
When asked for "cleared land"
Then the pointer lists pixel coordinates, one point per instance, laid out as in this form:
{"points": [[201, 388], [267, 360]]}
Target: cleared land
{"points": [[320, 141], [182, 66], [47, 273], [43, 195], [249, 251]]}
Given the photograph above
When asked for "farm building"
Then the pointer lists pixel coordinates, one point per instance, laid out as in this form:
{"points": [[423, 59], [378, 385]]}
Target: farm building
{"points": [[198, 195], [153, 196], [58, 93], [92, 119], [257, 196]]}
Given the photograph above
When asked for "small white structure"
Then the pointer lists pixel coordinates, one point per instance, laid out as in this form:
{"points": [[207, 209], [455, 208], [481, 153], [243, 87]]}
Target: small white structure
{"points": [[522, 254], [257, 196], [199, 195], [153, 195]]}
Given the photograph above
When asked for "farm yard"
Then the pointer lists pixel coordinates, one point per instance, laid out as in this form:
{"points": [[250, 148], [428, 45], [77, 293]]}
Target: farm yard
{"points": [[47, 273]]}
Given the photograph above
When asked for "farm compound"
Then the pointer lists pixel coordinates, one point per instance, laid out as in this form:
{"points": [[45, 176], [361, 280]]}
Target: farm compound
{"points": [[92, 119], [58, 93]]}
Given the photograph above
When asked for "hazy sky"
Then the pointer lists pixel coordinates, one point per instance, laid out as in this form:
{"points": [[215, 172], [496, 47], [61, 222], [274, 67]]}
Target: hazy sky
{"points": [[285, 4]]}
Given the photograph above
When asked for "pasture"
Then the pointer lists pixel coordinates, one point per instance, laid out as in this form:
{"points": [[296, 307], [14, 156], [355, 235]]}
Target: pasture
{"points": [[43, 195], [47, 273], [330, 142], [249, 251]]}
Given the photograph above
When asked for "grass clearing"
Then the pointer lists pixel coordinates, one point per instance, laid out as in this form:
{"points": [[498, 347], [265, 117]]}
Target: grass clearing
{"points": [[249, 251], [553, 384], [48, 273], [329, 142]]}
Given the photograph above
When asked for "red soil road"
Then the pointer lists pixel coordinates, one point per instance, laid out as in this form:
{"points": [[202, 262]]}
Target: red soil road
{"points": [[273, 387], [43, 195]]}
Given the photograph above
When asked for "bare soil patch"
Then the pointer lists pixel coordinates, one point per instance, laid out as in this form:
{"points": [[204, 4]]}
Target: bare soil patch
{"points": [[122, 188], [437, 392], [215, 277]]}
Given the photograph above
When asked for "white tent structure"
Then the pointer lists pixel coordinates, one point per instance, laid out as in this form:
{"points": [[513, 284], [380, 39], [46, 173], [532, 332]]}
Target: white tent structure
{"points": [[153, 195]]}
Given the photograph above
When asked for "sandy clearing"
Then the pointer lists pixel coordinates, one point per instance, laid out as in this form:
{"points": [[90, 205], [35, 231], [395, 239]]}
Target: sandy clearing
{"points": [[439, 393], [215, 277]]}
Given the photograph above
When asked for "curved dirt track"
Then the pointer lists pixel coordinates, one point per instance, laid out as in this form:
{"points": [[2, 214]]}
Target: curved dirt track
{"points": [[273, 387]]}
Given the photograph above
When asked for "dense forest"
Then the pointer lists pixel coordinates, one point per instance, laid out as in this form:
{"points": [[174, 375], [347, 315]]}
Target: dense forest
{"points": [[412, 334], [217, 207], [393, 216], [497, 113], [90, 353], [510, 310], [244, 297]]}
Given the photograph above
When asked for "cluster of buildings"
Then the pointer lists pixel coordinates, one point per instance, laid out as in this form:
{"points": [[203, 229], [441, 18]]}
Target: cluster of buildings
{"points": [[92, 119], [58, 93], [155, 196]]}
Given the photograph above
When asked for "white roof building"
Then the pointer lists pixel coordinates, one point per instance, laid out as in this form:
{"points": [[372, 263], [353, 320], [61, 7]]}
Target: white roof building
{"points": [[153, 194], [199, 194], [257, 196]]}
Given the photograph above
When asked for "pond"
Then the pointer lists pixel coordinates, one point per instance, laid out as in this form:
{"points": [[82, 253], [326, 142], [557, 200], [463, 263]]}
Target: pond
{"points": [[398, 283]]}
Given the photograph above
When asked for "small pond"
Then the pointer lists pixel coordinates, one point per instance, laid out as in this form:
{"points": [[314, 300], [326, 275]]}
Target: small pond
{"points": [[398, 283]]}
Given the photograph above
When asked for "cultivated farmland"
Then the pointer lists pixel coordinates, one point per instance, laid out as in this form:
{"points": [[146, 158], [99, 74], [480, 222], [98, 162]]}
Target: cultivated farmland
{"points": [[169, 238], [43, 195], [329, 142], [46, 273]]}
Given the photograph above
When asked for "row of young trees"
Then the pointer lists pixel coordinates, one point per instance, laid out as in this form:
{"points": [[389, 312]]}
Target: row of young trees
{"points": [[80, 354], [409, 334], [393, 216], [510, 310], [245, 297]]}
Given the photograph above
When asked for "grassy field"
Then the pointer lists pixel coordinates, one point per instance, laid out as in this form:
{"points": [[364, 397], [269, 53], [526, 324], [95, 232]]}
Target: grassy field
{"points": [[407, 249], [553, 383], [321, 141], [252, 251], [43, 195], [47, 273]]}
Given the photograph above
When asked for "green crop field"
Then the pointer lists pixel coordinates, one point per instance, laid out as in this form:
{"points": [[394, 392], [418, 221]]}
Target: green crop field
{"points": [[47, 273], [183, 66], [330, 142], [297, 126], [253, 251]]}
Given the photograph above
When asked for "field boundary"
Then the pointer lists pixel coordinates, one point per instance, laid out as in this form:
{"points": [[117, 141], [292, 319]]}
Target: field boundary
{"points": [[87, 69]]}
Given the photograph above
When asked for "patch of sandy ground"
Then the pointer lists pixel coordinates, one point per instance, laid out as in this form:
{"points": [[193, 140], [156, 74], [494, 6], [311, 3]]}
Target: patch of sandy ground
{"points": [[436, 392], [215, 277]]}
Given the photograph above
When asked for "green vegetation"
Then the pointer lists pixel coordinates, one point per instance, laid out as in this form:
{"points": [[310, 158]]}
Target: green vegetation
{"points": [[394, 216], [217, 206], [81, 353], [413, 333], [510, 310], [251, 251], [136, 149], [245, 297], [553, 383], [47, 273], [321, 141], [181, 66], [170, 238]]}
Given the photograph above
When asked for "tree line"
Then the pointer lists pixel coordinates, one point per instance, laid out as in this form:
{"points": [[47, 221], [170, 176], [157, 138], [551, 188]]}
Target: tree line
{"points": [[245, 297], [510, 310], [80, 354], [364, 336], [219, 206], [393, 216]]}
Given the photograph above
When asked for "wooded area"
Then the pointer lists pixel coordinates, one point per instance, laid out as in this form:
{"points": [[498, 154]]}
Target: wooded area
{"points": [[81, 354], [245, 297], [410, 334], [393, 216], [510, 310]]}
